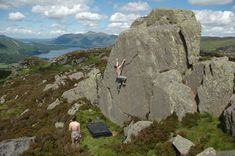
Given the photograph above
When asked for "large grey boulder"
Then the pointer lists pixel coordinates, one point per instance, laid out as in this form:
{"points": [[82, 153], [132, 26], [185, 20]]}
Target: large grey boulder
{"points": [[212, 81], [87, 88], [208, 152], [228, 117], [183, 145], [226, 153], [171, 95], [134, 129], [14, 147], [164, 40]]}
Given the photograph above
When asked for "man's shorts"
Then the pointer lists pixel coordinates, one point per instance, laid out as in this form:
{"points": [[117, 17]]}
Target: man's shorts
{"points": [[121, 79], [76, 136]]}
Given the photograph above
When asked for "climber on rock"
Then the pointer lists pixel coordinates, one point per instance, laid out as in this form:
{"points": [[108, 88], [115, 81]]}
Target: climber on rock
{"points": [[120, 79]]}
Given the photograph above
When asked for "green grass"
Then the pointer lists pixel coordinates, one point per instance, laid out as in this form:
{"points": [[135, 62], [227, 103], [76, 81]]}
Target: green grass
{"points": [[205, 131], [97, 146], [214, 43]]}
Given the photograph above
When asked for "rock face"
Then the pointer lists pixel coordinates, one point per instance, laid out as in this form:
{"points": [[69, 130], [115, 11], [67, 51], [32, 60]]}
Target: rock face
{"points": [[54, 104], [135, 128], [86, 88], [182, 145], [228, 117], [15, 147], [213, 82], [164, 41], [208, 152]]}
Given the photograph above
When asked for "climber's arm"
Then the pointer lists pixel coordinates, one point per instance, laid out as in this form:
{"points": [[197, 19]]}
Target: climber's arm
{"points": [[123, 61], [116, 62]]}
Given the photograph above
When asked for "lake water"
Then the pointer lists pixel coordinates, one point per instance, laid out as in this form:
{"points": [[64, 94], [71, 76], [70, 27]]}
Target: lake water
{"points": [[55, 53]]}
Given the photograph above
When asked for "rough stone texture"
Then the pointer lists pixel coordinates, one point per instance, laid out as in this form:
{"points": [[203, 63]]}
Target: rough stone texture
{"points": [[3, 100], [228, 117], [162, 41], [59, 125], [213, 82], [54, 104], [76, 76], [171, 95], [135, 128], [72, 111], [226, 153], [14, 147], [87, 88], [59, 80], [182, 145], [208, 152]]}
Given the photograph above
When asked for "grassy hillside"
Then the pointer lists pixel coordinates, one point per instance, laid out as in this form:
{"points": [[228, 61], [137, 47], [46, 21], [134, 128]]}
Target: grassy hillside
{"points": [[24, 91]]}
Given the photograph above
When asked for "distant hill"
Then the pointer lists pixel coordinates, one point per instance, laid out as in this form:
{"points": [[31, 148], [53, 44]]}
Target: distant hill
{"points": [[218, 46], [87, 40], [12, 50]]}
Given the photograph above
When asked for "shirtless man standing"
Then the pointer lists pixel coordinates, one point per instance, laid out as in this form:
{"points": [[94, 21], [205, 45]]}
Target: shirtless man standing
{"points": [[120, 78], [74, 127]]}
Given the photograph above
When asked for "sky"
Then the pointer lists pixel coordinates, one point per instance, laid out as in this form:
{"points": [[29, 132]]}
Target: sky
{"points": [[51, 18]]}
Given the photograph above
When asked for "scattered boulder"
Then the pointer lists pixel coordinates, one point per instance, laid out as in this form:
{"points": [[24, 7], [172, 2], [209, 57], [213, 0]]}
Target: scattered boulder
{"points": [[14, 147], [228, 118], [59, 125], [208, 152], [87, 88], [44, 81], [165, 40], [3, 99], [182, 145], [59, 80], [24, 112], [212, 81], [76, 76], [72, 111], [135, 128], [54, 104], [226, 153]]}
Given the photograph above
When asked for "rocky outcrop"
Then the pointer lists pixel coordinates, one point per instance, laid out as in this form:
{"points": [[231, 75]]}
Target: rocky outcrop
{"points": [[226, 153], [182, 145], [163, 41], [15, 147], [54, 104], [59, 80], [134, 129], [212, 81], [228, 117], [208, 152], [171, 95], [3, 99], [74, 109], [87, 88], [59, 125]]}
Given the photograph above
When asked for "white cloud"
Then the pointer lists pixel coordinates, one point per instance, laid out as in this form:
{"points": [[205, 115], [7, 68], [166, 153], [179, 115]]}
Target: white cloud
{"points": [[119, 25], [88, 16], [22, 31], [68, 3], [135, 7], [216, 23], [121, 17], [209, 2], [3, 6], [58, 12], [16, 16], [56, 32]]}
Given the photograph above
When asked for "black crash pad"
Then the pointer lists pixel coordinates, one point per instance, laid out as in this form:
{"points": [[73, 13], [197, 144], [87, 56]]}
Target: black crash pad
{"points": [[98, 129]]}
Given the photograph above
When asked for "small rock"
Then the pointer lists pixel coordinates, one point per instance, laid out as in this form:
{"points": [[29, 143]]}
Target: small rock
{"points": [[14, 147], [59, 125], [76, 76], [16, 97], [24, 79], [54, 104], [3, 100], [182, 145], [208, 152], [134, 129], [44, 81], [26, 93], [75, 85], [25, 111], [74, 109]]}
